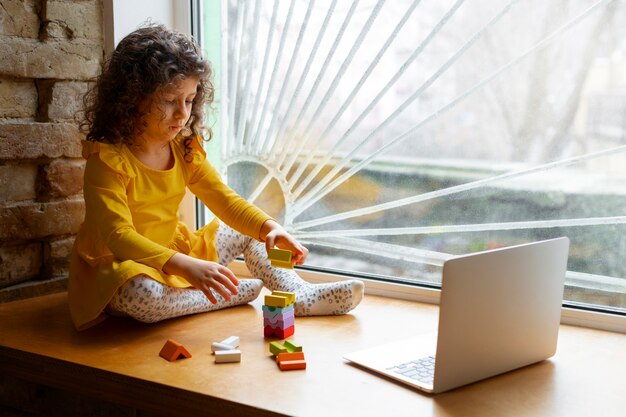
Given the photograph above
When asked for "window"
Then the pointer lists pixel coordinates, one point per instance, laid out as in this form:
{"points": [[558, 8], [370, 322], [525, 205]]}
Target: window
{"points": [[388, 136]]}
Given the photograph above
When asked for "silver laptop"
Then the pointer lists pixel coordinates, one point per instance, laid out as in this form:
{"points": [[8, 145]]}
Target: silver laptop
{"points": [[499, 310]]}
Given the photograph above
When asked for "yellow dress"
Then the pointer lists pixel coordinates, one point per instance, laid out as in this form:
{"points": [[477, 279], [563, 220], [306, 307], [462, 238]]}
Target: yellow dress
{"points": [[131, 223]]}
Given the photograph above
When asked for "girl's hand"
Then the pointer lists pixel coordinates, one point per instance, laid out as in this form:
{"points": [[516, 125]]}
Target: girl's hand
{"points": [[274, 235], [204, 275]]}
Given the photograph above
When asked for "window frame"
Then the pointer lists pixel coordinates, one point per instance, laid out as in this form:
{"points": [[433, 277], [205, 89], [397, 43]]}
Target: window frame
{"points": [[187, 16]]}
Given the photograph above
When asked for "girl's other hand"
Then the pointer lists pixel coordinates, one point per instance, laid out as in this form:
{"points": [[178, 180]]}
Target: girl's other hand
{"points": [[274, 235], [206, 276]]}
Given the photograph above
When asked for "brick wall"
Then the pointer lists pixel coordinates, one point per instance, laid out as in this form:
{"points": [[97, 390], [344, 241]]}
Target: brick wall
{"points": [[49, 50]]}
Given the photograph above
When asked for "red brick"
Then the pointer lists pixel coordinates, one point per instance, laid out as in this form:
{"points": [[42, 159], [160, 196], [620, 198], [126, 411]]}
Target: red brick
{"points": [[18, 98], [25, 221], [39, 140], [19, 263], [61, 178], [73, 19], [17, 182], [19, 18], [57, 256], [61, 100], [60, 59]]}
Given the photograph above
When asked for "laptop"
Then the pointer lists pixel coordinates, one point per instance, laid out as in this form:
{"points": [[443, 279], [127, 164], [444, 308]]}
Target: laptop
{"points": [[499, 310]]}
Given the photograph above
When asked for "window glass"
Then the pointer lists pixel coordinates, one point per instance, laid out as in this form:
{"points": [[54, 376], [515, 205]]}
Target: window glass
{"points": [[389, 136]]}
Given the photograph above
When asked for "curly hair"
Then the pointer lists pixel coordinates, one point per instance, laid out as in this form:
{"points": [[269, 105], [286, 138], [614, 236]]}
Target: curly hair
{"points": [[143, 63]]}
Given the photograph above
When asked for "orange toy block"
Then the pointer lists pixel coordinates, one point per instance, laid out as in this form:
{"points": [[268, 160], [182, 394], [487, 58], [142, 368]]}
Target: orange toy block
{"points": [[291, 361], [292, 365], [290, 356], [173, 350]]}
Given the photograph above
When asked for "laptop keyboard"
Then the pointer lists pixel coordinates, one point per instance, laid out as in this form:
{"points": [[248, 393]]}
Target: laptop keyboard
{"points": [[422, 370]]}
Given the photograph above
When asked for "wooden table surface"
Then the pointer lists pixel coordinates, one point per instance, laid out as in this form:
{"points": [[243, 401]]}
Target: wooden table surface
{"points": [[118, 361]]}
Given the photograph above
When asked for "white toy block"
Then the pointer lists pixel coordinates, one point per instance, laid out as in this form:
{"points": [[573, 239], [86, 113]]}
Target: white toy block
{"points": [[226, 356], [232, 341], [229, 343], [217, 346]]}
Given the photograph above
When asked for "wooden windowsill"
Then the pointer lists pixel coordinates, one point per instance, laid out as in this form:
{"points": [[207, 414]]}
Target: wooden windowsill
{"points": [[118, 361]]}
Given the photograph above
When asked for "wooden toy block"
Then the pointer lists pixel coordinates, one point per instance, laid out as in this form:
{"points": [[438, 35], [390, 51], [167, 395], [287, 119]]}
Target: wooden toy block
{"points": [[280, 324], [229, 343], [232, 341], [269, 311], [227, 356], [291, 361], [290, 356], [279, 255], [279, 317], [292, 365], [280, 333], [290, 296], [275, 301], [215, 346], [281, 264], [173, 350], [277, 347], [292, 346]]}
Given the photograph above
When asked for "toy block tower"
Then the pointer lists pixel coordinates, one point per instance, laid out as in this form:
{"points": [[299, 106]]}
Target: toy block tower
{"points": [[278, 314]]}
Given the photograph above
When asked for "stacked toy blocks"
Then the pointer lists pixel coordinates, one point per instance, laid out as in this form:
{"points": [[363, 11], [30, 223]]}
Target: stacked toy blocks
{"points": [[289, 355], [278, 314], [280, 258]]}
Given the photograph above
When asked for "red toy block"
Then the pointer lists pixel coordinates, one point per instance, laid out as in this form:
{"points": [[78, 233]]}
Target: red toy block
{"points": [[173, 350], [280, 333]]}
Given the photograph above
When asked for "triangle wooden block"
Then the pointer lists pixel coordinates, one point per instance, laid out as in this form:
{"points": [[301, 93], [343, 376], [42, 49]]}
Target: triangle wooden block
{"points": [[173, 350]]}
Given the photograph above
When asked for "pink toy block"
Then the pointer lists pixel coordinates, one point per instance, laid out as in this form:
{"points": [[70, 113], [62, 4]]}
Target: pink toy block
{"points": [[286, 322]]}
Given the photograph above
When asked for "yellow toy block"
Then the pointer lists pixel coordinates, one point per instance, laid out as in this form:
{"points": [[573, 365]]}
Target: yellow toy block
{"points": [[290, 296], [279, 255], [276, 301], [281, 264]]}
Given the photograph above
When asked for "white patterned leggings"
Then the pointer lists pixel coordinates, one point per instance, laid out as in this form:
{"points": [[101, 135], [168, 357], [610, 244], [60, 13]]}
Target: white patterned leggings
{"points": [[149, 301]]}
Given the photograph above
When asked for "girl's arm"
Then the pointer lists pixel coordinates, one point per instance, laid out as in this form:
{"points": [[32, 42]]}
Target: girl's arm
{"points": [[206, 183], [203, 275]]}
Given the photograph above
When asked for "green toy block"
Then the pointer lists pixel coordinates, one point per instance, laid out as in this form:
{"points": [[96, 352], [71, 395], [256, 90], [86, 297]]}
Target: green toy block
{"points": [[277, 348], [279, 255], [291, 346], [271, 312]]}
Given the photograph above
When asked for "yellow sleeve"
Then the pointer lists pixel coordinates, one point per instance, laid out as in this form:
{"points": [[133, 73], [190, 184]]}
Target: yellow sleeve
{"points": [[106, 200], [206, 183]]}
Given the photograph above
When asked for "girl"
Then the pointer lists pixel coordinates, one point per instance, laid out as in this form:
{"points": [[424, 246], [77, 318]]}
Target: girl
{"points": [[132, 257]]}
